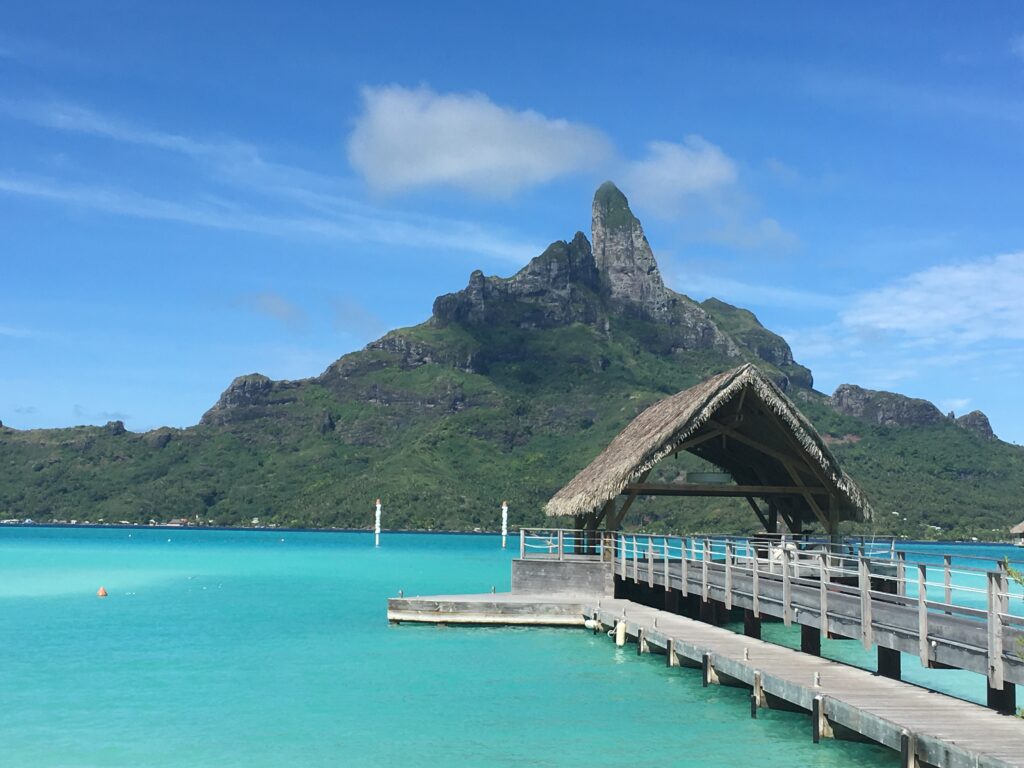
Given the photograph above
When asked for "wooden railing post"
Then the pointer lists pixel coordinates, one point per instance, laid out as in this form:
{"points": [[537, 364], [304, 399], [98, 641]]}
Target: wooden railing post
{"points": [[864, 583], [636, 562], [650, 562], [947, 580], [787, 590], [901, 573], [728, 575], [823, 580], [622, 557], [664, 547], [922, 613], [561, 542], [522, 543], [684, 552], [997, 605], [705, 556], [756, 588]]}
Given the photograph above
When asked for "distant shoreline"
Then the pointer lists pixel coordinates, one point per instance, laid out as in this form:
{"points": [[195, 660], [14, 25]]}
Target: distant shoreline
{"points": [[252, 529], [512, 532]]}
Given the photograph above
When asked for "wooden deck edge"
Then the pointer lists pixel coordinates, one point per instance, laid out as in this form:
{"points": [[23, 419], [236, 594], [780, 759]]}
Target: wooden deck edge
{"points": [[492, 619]]}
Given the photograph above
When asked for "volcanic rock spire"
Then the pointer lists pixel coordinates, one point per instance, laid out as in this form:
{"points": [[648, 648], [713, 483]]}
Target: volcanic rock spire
{"points": [[628, 271]]}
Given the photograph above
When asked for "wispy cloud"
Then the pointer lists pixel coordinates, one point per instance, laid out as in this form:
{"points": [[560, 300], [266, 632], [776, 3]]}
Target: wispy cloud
{"points": [[409, 138], [666, 180], [959, 304], [275, 306], [406, 138], [389, 228], [14, 332], [298, 202], [700, 283], [852, 92]]}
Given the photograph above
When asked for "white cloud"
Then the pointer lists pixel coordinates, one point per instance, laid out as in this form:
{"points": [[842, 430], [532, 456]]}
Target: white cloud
{"points": [[412, 138], [959, 304], [671, 174]]}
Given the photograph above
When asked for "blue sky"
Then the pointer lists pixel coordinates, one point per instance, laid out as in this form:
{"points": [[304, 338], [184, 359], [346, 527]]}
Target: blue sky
{"points": [[189, 193]]}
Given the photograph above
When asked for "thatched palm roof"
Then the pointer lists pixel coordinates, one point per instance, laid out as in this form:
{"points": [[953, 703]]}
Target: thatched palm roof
{"points": [[764, 441], [1018, 528]]}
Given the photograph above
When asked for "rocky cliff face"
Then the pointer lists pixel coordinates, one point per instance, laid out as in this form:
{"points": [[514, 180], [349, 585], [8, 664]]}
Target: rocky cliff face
{"points": [[891, 409], [978, 423], [245, 398], [558, 287], [884, 408], [625, 262]]}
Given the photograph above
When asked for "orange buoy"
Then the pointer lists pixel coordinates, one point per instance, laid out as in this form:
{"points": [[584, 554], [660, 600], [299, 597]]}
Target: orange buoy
{"points": [[101, 592]]}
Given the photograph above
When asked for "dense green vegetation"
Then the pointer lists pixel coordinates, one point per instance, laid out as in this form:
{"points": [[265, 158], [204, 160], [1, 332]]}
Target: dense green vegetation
{"points": [[443, 444]]}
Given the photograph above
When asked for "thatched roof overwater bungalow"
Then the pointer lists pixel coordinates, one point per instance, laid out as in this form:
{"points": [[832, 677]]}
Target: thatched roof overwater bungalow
{"points": [[1017, 534], [739, 421]]}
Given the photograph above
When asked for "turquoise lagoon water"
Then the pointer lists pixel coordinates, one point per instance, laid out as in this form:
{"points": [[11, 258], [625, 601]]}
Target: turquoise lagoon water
{"points": [[271, 648]]}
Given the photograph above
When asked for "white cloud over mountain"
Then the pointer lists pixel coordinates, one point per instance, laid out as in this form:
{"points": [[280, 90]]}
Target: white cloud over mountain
{"points": [[410, 138], [671, 173]]}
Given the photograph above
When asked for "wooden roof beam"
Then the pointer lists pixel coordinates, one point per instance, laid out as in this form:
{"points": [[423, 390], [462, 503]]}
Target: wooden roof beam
{"points": [[698, 489]]}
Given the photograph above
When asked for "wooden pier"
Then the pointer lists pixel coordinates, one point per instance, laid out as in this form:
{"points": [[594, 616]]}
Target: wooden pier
{"points": [[845, 702], [667, 595]]}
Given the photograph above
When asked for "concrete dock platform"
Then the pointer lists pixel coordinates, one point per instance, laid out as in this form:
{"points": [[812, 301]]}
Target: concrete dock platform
{"points": [[503, 608]]}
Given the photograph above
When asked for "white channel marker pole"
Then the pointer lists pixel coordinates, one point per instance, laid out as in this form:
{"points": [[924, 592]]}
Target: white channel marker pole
{"points": [[376, 526], [504, 523]]}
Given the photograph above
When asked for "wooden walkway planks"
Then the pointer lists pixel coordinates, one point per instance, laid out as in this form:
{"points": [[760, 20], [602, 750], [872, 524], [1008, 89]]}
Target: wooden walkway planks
{"points": [[946, 731]]}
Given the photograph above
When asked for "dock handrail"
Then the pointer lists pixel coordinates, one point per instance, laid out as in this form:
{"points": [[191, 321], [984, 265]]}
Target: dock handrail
{"points": [[566, 544], [877, 574]]}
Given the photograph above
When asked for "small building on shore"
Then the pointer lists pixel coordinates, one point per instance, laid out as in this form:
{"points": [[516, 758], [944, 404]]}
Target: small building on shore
{"points": [[1017, 535]]}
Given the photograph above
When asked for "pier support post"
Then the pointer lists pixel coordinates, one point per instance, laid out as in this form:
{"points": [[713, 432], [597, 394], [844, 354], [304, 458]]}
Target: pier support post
{"points": [[1004, 701], [822, 728], [889, 663], [751, 624], [707, 668], [641, 642], [671, 660], [908, 750], [810, 640], [757, 698]]}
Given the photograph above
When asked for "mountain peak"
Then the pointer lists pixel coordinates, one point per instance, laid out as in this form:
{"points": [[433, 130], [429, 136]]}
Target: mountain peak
{"points": [[625, 262], [613, 207]]}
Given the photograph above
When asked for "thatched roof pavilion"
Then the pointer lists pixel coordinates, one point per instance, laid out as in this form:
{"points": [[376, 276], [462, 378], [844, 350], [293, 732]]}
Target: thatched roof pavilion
{"points": [[739, 421], [1017, 534]]}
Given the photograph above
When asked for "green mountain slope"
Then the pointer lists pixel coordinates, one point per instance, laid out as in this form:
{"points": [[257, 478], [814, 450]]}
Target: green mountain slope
{"points": [[511, 387]]}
